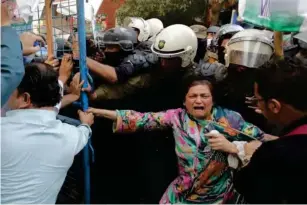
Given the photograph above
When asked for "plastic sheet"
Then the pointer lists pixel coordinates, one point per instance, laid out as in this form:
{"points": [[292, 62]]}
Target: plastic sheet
{"points": [[279, 15], [25, 8]]}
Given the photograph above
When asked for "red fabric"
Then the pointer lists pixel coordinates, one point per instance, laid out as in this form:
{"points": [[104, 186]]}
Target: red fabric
{"points": [[301, 130]]}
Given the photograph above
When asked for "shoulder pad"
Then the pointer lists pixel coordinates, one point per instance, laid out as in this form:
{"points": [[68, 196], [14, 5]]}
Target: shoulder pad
{"points": [[144, 46], [136, 60], [152, 58], [145, 59], [217, 70], [144, 49]]}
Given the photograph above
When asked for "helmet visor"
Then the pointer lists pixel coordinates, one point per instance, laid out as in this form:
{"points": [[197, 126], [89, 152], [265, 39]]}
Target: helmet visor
{"points": [[252, 54], [125, 45]]}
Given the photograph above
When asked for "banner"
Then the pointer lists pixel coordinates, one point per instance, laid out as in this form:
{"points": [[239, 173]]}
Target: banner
{"points": [[278, 15]]}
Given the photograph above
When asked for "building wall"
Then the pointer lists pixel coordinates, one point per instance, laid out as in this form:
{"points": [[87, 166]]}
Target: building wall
{"points": [[109, 7]]}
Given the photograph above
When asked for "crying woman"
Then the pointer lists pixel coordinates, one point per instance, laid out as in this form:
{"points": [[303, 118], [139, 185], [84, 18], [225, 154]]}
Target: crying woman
{"points": [[204, 174]]}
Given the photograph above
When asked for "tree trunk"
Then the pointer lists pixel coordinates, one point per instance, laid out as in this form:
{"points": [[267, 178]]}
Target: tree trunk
{"points": [[214, 10]]}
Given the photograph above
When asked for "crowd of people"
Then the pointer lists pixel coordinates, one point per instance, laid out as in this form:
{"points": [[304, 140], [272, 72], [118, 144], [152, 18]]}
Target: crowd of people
{"points": [[236, 110]]}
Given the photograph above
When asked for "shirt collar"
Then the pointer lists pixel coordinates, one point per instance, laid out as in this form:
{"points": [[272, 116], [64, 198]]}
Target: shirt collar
{"points": [[32, 114], [294, 125]]}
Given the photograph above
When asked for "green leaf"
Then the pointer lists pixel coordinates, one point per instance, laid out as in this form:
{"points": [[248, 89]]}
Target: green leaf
{"points": [[169, 11]]}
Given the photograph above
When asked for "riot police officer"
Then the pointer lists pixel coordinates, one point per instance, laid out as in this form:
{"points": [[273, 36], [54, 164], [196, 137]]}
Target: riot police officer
{"points": [[175, 58], [222, 37], [146, 31], [247, 50], [121, 61]]}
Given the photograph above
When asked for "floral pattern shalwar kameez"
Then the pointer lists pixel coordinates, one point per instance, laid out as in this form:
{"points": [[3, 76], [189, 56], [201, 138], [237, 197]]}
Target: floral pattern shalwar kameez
{"points": [[204, 174]]}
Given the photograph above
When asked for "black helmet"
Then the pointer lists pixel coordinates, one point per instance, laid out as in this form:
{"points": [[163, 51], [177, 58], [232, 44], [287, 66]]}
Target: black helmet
{"points": [[126, 38], [224, 31]]}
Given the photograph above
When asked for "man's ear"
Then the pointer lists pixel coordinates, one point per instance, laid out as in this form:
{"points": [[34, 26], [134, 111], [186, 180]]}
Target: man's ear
{"points": [[274, 106], [26, 102]]}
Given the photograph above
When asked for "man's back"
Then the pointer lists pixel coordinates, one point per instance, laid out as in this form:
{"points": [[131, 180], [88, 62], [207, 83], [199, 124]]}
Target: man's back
{"points": [[276, 173], [36, 152]]}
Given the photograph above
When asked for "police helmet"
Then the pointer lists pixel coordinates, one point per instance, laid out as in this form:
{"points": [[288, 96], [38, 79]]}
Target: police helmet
{"points": [[224, 31], [126, 38], [176, 41], [250, 48]]}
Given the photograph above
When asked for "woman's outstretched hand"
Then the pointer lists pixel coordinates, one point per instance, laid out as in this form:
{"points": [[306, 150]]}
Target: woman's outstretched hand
{"points": [[95, 111], [110, 114], [218, 142]]}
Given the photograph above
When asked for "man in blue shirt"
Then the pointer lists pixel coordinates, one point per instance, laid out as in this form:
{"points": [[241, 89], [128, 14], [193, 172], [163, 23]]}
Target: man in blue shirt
{"points": [[12, 67], [37, 149]]}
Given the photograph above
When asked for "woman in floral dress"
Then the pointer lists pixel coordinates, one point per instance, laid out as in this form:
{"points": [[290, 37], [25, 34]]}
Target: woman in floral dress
{"points": [[204, 174]]}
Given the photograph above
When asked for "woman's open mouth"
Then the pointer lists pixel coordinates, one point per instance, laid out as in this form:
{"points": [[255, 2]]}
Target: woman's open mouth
{"points": [[199, 108]]}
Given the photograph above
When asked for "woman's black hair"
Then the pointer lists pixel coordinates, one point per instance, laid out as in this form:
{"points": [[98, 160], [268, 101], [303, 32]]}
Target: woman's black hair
{"points": [[41, 82], [193, 78]]}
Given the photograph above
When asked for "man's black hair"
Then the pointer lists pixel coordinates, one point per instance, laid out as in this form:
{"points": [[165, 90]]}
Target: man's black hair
{"points": [[41, 82], [284, 80]]}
